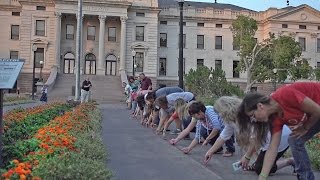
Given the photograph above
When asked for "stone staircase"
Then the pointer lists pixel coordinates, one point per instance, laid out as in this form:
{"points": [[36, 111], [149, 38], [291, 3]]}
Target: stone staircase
{"points": [[105, 89]]}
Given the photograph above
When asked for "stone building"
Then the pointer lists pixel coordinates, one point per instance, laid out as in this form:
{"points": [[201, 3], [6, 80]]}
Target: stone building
{"points": [[44, 31]]}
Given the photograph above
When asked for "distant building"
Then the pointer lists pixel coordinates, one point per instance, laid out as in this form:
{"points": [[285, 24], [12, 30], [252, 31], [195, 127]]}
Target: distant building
{"points": [[45, 30]]}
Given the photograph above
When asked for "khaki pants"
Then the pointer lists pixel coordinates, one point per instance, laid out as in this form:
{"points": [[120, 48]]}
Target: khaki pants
{"points": [[84, 95]]}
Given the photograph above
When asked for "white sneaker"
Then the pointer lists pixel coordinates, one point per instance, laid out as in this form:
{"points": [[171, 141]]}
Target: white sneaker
{"points": [[175, 132]]}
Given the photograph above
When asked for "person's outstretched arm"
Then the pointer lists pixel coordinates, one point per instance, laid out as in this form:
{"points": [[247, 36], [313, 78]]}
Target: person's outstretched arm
{"points": [[271, 155]]}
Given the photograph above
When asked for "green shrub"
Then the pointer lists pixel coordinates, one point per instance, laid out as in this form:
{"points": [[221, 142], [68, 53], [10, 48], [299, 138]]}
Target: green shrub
{"points": [[72, 166], [313, 148], [210, 84]]}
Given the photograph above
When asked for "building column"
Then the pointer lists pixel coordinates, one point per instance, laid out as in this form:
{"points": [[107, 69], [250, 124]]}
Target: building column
{"points": [[58, 40], [123, 43], [101, 69]]}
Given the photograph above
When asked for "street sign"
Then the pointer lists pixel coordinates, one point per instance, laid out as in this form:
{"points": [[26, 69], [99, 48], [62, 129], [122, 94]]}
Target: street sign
{"points": [[9, 72]]}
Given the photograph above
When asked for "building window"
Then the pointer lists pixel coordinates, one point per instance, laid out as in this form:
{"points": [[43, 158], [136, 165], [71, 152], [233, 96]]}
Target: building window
{"points": [[218, 64], [15, 13], [235, 46], [90, 64], [302, 27], [302, 42], [163, 39], [200, 41], [139, 61], [41, 8], [141, 14], [15, 32], [162, 66], [318, 44], [140, 33], [14, 54], [318, 65], [200, 62], [235, 72], [201, 24], [218, 42], [70, 32], [40, 28], [284, 25], [39, 56], [218, 25], [164, 22], [112, 34], [318, 27], [91, 34]]}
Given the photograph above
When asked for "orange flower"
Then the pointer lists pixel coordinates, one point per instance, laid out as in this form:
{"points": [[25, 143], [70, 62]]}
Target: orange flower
{"points": [[23, 177], [15, 161]]}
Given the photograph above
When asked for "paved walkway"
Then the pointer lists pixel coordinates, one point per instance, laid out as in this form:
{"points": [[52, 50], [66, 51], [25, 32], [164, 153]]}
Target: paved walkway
{"points": [[136, 153]]}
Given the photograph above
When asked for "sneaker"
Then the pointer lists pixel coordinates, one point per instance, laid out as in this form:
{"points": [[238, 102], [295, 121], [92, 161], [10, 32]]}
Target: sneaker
{"points": [[175, 132]]}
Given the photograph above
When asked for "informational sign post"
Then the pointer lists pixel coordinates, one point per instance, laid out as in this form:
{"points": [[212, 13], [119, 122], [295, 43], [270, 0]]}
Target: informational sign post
{"points": [[9, 72]]}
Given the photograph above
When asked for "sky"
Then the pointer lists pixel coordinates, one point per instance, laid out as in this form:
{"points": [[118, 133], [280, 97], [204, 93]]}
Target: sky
{"points": [[261, 5]]}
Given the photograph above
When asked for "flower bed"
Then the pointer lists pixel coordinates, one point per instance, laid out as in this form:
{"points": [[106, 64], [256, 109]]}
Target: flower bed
{"points": [[313, 148], [20, 125], [70, 145]]}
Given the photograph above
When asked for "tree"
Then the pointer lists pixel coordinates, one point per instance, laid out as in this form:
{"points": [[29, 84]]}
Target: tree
{"points": [[244, 29], [209, 84], [259, 60]]}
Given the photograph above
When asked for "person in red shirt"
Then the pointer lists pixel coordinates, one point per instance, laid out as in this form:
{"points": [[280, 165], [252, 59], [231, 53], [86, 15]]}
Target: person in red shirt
{"points": [[297, 106]]}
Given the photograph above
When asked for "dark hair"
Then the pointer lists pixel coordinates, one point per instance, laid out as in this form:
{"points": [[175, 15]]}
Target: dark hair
{"points": [[140, 101], [130, 77], [251, 100], [151, 95], [251, 131], [161, 101], [196, 107]]}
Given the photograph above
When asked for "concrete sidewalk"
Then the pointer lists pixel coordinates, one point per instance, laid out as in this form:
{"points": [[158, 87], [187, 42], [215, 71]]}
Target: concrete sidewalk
{"points": [[136, 152]]}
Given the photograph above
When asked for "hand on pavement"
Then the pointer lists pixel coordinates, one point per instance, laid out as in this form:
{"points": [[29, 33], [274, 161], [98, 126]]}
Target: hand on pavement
{"points": [[207, 157], [173, 141], [186, 150], [244, 163]]}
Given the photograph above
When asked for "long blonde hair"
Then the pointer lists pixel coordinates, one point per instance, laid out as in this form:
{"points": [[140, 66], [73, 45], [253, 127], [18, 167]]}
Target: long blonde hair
{"points": [[227, 107], [179, 107]]}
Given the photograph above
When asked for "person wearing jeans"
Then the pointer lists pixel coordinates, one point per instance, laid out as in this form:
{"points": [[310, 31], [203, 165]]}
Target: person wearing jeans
{"points": [[296, 105], [207, 122]]}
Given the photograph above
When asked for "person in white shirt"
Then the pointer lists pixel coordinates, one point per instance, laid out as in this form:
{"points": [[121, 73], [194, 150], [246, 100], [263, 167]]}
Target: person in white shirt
{"points": [[278, 164]]}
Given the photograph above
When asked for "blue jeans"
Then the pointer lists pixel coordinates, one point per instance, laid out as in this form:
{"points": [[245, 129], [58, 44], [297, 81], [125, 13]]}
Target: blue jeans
{"points": [[134, 105], [300, 155]]}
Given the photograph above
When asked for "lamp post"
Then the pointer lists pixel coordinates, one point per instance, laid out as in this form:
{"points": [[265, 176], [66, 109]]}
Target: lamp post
{"points": [[275, 79], [180, 71], [41, 66], [133, 53], [34, 49]]}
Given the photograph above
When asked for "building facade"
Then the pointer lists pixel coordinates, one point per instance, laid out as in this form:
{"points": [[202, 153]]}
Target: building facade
{"points": [[140, 36]]}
